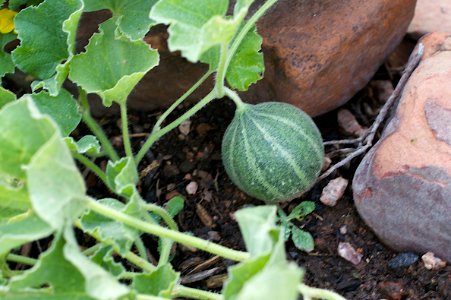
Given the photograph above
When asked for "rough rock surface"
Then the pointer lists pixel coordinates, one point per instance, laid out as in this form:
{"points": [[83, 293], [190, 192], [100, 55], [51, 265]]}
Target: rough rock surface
{"points": [[402, 188], [318, 54], [431, 16]]}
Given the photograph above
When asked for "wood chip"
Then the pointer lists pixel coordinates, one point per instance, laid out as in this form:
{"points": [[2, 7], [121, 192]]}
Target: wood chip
{"points": [[204, 216]]}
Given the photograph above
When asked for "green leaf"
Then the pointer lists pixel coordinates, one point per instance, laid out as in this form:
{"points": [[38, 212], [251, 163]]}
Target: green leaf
{"points": [[24, 131], [197, 26], [122, 174], [241, 273], [47, 34], [88, 144], [104, 258], [112, 66], [274, 282], [131, 17], [160, 282], [63, 109], [21, 230], [302, 210], [6, 96], [247, 65], [69, 273], [175, 205], [6, 62], [15, 4], [56, 187], [303, 240], [52, 269], [110, 231], [257, 225]]}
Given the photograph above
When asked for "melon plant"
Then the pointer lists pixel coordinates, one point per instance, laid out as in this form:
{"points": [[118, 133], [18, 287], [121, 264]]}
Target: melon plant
{"points": [[272, 151]]}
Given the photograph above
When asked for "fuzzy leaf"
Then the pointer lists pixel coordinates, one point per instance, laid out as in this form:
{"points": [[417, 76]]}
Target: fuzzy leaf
{"points": [[87, 144], [247, 65], [21, 230], [47, 34], [175, 205], [131, 17], [68, 272], [160, 282], [128, 61], [6, 96], [257, 225], [303, 240], [104, 258], [6, 62], [63, 109], [122, 174], [56, 187], [197, 26], [111, 231]]}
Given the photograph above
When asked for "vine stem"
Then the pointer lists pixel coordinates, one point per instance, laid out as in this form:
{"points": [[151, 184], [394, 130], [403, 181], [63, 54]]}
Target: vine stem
{"points": [[183, 291], [91, 166], [308, 292], [160, 231], [21, 259], [246, 28], [240, 105], [221, 71], [95, 128], [159, 133], [180, 100], [125, 133]]}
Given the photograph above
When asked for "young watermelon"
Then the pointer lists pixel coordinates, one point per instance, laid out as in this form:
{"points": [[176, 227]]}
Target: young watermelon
{"points": [[272, 151]]}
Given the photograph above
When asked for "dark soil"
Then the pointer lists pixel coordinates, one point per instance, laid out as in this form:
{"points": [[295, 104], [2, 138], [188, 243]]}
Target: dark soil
{"points": [[177, 160]]}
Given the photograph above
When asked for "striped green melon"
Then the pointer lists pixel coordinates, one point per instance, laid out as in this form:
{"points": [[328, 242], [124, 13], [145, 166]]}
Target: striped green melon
{"points": [[272, 151]]}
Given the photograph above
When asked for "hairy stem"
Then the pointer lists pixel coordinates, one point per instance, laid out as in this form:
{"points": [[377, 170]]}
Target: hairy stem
{"points": [[95, 128], [310, 292], [91, 166], [180, 100], [125, 134], [246, 28], [240, 105], [186, 292], [21, 259], [160, 231], [159, 133], [221, 71]]}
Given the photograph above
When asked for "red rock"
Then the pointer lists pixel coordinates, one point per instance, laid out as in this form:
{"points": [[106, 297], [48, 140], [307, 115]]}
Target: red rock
{"points": [[431, 16], [318, 54], [391, 290], [402, 188]]}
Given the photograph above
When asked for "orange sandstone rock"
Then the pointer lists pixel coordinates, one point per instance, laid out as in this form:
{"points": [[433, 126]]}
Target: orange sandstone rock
{"points": [[402, 188], [318, 54], [431, 16]]}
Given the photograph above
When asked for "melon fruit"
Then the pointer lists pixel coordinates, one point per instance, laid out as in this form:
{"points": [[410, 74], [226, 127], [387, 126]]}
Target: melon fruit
{"points": [[272, 151]]}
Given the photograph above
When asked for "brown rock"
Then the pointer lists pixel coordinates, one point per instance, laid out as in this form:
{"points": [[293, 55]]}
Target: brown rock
{"points": [[318, 54], [431, 16], [402, 188]]}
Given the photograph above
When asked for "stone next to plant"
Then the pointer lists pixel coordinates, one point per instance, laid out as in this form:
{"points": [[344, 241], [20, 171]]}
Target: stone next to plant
{"points": [[318, 54], [402, 188]]}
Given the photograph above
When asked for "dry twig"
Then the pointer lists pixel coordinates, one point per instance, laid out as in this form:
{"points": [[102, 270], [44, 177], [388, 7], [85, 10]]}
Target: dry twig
{"points": [[366, 140]]}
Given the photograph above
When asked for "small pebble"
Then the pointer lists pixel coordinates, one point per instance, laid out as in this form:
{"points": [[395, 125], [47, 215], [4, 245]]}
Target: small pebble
{"points": [[403, 260], [431, 262], [391, 290], [348, 123], [334, 191], [326, 164], [185, 127], [214, 236], [343, 229], [191, 188], [346, 251]]}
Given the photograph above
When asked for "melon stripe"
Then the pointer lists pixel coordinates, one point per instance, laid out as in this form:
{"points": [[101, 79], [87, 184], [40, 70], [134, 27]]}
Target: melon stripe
{"points": [[319, 151], [299, 173], [231, 153], [258, 176]]}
